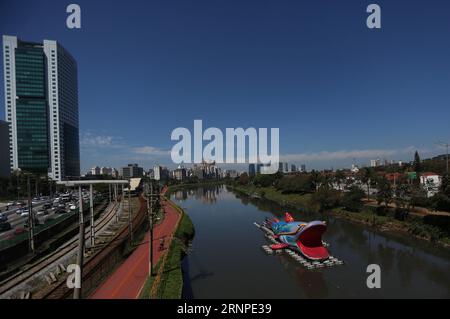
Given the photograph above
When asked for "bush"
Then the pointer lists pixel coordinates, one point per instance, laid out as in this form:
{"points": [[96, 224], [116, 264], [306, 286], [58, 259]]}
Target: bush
{"points": [[351, 200], [440, 202], [326, 198], [299, 184]]}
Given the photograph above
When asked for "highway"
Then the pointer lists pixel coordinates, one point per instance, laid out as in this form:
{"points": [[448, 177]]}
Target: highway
{"points": [[17, 221]]}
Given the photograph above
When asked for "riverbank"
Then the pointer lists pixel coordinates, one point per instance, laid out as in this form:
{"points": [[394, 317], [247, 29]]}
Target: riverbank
{"points": [[168, 283], [414, 226]]}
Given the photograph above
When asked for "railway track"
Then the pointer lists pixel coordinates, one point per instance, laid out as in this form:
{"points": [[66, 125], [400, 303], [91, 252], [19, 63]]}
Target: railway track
{"points": [[59, 289], [23, 276]]}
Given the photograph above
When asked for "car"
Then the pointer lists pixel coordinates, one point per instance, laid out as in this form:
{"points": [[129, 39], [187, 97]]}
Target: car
{"points": [[72, 207], [60, 211], [3, 218], [19, 211], [24, 213], [62, 206], [42, 212], [5, 227], [10, 204], [47, 206], [19, 230]]}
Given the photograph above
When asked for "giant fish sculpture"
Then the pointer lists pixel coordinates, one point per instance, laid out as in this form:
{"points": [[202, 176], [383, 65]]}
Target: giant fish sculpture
{"points": [[299, 236]]}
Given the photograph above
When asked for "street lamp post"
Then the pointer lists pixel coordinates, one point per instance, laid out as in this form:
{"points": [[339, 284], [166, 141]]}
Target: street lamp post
{"points": [[80, 256], [30, 217], [91, 208], [130, 224]]}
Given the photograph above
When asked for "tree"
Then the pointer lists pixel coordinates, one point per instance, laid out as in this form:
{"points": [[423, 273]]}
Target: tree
{"points": [[298, 184], [326, 198], [339, 178], [417, 164], [352, 200], [244, 179], [417, 167], [385, 193], [445, 185], [366, 178], [266, 180]]}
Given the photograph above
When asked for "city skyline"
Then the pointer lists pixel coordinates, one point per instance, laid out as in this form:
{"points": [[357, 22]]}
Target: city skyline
{"points": [[261, 67]]}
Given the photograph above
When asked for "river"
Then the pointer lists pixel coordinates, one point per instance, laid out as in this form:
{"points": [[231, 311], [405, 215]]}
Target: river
{"points": [[226, 259]]}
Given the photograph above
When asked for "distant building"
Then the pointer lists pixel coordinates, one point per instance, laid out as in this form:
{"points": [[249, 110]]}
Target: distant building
{"points": [[5, 168], [132, 170], [286, 167], [160, 173], [280, 167], [303, 168], [375, 163], [258, 168], [95, 170], [251, 170], [354, 169], [293, 168], [106, 171], [179, 173], [431, 182]]}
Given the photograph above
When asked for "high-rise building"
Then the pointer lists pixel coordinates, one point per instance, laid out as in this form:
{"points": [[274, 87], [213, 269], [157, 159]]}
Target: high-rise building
{"points": [[251, 170], [303, 168], [160, 173], [132, 171], [4, 149], [41, 102]]}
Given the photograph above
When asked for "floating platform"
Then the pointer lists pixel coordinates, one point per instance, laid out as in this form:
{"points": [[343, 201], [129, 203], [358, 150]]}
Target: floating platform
{"points": [[297, 256]]}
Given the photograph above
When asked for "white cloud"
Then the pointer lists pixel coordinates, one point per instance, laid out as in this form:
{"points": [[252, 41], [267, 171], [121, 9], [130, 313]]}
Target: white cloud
{"points": [[149, 150], [91, 140], [347, 154]]}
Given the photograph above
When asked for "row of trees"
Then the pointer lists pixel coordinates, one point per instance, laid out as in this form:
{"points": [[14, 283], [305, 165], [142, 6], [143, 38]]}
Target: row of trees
{"points": [[15, 187], [332, 190]]}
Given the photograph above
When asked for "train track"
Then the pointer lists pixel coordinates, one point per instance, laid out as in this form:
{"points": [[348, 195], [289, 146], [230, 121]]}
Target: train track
{"points": [[59, 289], [70, 246]]}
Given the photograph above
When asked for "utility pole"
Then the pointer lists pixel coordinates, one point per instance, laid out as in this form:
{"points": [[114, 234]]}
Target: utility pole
{"points": [[30, 217], [91, 208], [80, 256], [151, 217], [110, 193], [130, 224]]}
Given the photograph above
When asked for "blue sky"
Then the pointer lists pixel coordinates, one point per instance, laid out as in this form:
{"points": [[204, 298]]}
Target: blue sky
{"points": [[336, 89]]}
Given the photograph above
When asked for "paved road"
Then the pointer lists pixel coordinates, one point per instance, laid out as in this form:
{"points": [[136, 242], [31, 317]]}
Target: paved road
{"points": [[127, 281]]}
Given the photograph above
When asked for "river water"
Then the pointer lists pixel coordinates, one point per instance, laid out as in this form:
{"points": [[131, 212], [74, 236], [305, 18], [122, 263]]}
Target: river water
{"points": [[226, 259]]}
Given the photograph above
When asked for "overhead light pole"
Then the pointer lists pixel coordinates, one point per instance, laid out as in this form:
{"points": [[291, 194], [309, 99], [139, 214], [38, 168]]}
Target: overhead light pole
{"points": [[80, 256], [30, 217]]}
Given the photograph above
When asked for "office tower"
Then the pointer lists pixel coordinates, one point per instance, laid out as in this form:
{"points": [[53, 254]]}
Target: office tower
{"points": [[280, 167], [303, 168], [251, 170], [258, 168], [41, 102], [131, 171], [293, 168], [4, 149]]}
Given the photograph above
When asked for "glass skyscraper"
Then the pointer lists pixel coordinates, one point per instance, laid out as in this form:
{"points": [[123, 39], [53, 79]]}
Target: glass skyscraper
{"points": [[41, 101]]}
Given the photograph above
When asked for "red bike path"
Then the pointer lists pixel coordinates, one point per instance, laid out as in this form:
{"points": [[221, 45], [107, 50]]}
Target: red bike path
{"points": [[127, 281]]}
